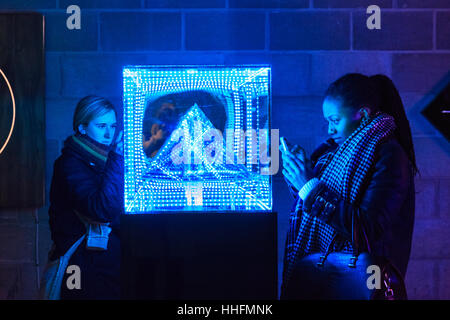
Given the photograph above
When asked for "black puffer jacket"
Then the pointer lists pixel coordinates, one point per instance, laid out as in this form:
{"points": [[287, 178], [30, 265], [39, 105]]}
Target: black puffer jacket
{"points": [[94, 189], [386, 209]]}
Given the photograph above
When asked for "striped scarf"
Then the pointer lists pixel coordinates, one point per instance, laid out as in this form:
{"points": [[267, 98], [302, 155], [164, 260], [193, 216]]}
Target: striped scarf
{"points": [[344, 171], [89, 148]]}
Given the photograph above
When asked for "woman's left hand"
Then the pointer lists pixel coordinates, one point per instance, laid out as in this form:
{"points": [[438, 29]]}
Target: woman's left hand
{"points": [[119, 143], [296, 167]]}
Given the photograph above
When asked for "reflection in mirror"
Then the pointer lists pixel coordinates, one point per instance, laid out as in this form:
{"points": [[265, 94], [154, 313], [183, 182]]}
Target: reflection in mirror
{"points": [[162, 115]]}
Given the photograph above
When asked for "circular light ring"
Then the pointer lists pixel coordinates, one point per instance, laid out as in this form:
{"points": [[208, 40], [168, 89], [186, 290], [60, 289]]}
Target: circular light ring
{"points": [[14, 112]]}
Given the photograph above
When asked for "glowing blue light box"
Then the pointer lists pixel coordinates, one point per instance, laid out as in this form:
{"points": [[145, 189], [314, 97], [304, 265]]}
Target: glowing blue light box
{"points": [[198, 138]]}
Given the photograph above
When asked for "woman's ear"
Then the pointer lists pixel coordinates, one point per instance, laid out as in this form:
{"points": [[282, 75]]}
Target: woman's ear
{"points": [[364, 112], [81, 129]]}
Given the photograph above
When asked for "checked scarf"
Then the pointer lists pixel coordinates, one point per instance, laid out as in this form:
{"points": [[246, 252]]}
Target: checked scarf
{"points": [[343, 172]]}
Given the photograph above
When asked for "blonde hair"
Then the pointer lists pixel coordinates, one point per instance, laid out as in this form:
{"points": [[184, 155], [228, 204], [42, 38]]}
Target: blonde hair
{"points": [[89, 108]]}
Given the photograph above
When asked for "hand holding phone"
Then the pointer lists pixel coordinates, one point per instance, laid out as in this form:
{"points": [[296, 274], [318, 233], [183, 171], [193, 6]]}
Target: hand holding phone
{"points": [[283, 143]]}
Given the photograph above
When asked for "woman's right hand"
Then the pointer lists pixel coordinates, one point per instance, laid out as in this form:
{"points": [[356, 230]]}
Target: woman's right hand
{"points": [[296, 166]]}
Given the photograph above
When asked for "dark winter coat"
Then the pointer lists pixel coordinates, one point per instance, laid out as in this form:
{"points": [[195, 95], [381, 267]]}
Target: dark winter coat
{"points": [[95, 190], [386, 209]]}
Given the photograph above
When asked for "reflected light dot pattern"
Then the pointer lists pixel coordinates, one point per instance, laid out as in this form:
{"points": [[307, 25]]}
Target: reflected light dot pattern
{"points": [[160, 184]]}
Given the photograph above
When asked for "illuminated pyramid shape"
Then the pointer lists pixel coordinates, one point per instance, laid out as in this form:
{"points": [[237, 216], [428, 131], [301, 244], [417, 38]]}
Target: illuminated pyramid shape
{"points": [[187, 155], [197, 182]]}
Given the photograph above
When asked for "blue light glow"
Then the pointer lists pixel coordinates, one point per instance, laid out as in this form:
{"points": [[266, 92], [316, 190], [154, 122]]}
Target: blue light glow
{"points": [[198, 167]]}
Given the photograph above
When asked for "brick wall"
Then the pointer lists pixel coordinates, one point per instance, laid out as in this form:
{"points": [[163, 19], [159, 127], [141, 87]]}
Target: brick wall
{"points": [[309, 43]]}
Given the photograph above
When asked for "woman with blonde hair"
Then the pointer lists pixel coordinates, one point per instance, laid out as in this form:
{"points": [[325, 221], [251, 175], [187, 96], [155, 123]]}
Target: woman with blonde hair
{"points": [[86, 200]]}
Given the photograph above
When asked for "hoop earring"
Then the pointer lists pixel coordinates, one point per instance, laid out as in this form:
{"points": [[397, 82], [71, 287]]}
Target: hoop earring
{"points": [[365, 119]]}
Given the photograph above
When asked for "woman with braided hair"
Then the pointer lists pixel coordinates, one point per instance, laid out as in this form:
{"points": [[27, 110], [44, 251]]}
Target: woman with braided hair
{"points": [[354, 194]]}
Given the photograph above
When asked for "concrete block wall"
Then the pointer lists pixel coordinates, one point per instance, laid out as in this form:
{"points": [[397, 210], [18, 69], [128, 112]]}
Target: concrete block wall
{"points": [[309, 44]]}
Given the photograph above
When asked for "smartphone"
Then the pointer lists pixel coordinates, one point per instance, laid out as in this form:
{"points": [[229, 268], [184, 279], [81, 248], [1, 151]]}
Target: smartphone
{"points": [[283, 145]]}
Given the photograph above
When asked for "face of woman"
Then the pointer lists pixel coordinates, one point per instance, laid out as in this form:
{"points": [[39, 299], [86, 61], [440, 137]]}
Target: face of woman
{"points": [[102, 128], [342, 121]]}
